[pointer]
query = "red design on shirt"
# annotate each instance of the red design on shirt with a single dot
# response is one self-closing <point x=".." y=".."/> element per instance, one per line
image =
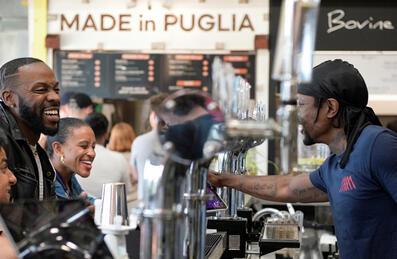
<point x="347" y="184"/>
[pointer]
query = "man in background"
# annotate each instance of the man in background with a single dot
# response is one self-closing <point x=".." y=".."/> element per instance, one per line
<point x="76" y="105"/>
<point x="143" y="145"/>
<point x="29" y="106"/>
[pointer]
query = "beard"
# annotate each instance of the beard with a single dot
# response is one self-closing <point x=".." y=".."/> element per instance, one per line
<point x="35" y="120"/>
<point x="307" y="139"/>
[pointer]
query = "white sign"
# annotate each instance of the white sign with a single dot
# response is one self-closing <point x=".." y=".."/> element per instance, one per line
<point x="182" y="26"/>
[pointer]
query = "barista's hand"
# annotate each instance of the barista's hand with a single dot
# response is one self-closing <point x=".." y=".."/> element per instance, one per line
<point x="89" y="205"/>
<point x="215" y="179"/>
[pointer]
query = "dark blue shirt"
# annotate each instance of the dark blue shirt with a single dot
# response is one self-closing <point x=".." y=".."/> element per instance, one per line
<point x="363" y="195"/>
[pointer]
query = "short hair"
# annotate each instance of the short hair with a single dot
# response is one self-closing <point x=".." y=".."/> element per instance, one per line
<point x="81" y="100"/>
<point x="121" y="137"/>
<point x="66" y="96"/>
<point x="9" y="69"/>
<point x="185" y="104"/>
<point x="66" y="125"/>
<point x="155" y="101"/>
<point x="98" y="122"/>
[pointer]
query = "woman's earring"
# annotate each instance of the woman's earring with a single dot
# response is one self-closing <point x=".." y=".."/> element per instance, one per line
<point x="62" y="159"/>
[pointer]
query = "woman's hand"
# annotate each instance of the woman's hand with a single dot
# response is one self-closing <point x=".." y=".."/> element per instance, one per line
<point x="88" y="204"/>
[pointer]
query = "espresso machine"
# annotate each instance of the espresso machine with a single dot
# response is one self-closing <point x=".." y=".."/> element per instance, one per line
<point x="293" y="65"/>
<point x="173" y="209"/>
<point x="172" y="213"/>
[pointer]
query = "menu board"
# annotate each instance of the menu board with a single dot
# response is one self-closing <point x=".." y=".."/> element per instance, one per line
<point x="124" y="75"/>
<point x="186" y="71"/>
<point x="134" y="74"/>
<point x="81" y="72"/>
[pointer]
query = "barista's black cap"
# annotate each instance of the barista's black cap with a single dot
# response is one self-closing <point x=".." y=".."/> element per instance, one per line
<point x="337" y="79"/>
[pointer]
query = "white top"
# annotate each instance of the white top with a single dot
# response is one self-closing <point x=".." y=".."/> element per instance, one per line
<point x="142" y="147"/>
<point x="40" y="171"/>
<point x="108" y="167"/>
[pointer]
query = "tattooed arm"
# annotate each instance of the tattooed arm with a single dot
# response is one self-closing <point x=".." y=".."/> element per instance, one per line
<point x="282" y="188"/>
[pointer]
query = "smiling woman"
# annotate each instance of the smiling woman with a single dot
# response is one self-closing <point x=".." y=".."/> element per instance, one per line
<point x="72" y="151"/>
<point x="7" y="179"/>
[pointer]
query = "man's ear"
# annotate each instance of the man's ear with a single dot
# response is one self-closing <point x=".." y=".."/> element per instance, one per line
<point x="8" y="98"/>
<point x="333" y="107"/>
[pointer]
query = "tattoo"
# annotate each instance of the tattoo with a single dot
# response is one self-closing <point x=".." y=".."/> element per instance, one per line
<point x="268" y="189"/>
<point x="338" y="144"/>
<point x="311" y="194"/>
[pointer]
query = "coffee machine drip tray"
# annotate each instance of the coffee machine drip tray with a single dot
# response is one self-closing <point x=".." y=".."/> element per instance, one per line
<point x="276" y="236"/>
<point x="215" y="245"/>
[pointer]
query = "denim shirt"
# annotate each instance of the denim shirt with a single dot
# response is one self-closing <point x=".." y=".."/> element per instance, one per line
<point x="62" y="191"/>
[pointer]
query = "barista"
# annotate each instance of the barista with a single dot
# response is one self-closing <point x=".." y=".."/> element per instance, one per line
<point x="359" y="178"/>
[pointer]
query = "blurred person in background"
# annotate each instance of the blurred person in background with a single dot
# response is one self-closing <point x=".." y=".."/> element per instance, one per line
<point x="188" y="125"/>
<point x="29" y="106"/>
<point x="7" y="180"/>
<point x="76" y="105"/>
<point x="144" y="144"/>
<point x="72" y="151"/>
<point x="109" y="166"/>
<point x="121" y="137"/>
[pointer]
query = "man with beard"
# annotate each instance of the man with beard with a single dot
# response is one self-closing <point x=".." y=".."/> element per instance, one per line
<point x="29" y="106"/>
<point x="359" y="178"/>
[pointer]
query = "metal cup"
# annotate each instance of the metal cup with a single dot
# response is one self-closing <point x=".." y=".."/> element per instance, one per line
<point x="114" y="203"/>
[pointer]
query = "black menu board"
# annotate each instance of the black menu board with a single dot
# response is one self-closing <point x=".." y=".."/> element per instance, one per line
<point x="108" y="74"/>
<point x="186" y="71"/>
<point x="126" y="75"/>
<point x="82" y="72"/>
<point x="134" y="74"/>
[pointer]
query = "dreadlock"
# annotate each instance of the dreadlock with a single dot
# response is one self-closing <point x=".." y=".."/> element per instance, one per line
<point x="342" y="81"/>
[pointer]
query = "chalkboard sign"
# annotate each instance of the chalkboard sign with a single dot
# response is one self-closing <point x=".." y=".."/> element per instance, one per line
<point x="76" y="70"/>
<point x="133" y="74"/>
<point x="186" y="71"/>
<point x="349" y="25"/>
<point x="357" y="25"/>
<point x="124" y="75"/>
